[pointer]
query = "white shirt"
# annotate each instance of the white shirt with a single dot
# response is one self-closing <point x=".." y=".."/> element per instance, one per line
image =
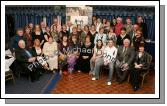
<point x="110" y="53"/>
<point x="98" y="26"/>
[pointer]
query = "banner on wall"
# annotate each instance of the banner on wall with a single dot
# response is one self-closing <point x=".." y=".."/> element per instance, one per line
<point x="79" y="15"/>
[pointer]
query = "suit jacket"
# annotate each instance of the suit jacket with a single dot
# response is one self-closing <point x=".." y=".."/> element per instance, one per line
<point x="21" y="55"/>
<point x="128" y="57"/>
<point x="144" y="60"/>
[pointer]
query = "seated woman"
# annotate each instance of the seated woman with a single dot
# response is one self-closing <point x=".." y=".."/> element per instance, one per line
<point x="141" y="64"/>
<point x="73" y="54"/>
<point x="51" y="52"/>
<point x="85" y="56"/>
<point x="97" y="55"/>
<point x="37" y="52"/>
<point x="63" y="51"/>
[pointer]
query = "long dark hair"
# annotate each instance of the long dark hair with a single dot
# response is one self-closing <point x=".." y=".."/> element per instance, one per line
<point x="97" y="44"/>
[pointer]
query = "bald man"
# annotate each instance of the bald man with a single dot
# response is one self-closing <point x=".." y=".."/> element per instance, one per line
<point x="26" y="61"/>
<point x="124" y="60"/>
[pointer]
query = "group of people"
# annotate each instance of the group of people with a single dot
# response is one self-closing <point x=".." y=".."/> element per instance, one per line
<point x="104" y="43"/>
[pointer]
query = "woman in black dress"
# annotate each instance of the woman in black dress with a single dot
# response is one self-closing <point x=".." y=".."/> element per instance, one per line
<point x="92" y="33"/>
<point x="86" y="54"/>
<point x="37" y="34"/>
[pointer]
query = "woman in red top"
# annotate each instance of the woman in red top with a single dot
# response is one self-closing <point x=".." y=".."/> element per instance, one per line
<point x="118" y="26"/>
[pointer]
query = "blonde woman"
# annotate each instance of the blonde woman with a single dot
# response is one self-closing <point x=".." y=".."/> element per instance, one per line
<point x="50" y="50"/>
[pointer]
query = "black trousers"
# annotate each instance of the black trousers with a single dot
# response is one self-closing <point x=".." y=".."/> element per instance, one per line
<point x="121" y="75"/>
<point x="135" y="76"/>
<point x="34" y="73"/>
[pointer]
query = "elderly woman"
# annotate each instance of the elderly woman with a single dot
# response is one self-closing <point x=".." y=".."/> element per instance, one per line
<point x="50" y="50"/>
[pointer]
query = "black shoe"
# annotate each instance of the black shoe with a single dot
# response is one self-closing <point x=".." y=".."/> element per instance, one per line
<point x="136" y="88"/>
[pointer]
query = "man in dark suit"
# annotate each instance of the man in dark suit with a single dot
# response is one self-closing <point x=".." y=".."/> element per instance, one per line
<point x="26" y="61"/>
<point x="122" y="36"/>
<point x="124" y="60"/>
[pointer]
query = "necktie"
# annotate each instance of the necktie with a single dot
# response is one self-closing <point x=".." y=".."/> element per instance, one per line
<point x="124" y="51"/>
<point x="69" y="30"/>
<point x="28" y="53"/>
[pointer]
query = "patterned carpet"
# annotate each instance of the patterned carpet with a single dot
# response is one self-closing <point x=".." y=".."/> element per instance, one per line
<point x="80" y="83"/>
<point x="25" y="86"/>
<point x="77" y="83"/>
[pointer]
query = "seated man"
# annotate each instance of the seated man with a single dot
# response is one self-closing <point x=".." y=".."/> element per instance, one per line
<point x="110" y="53"/>
<point x="141" y="64"/>
<point x="26" y="61"/>
<point x="124" y="60"/>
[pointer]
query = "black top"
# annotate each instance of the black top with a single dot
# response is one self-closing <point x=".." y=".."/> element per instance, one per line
<point x="87" y="50"/>
<point x="137" y="41"/>
<point x="40" y="37"/>
<point x="48" y="35"/>
<point x="92" y="37"/>
<point x="120" y="39"/>
<point x="143" y="26"/>
<point x="144" y="60"/>
<point x="34" y="53"/>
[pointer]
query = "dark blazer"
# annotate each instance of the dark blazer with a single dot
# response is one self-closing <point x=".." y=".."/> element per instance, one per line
<point x="144" y="60"/>
<point x="120" y="39"/>
<point x="129" y="56"/>
<point x="21" y="55"/>
<point x="137" y="41"/>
